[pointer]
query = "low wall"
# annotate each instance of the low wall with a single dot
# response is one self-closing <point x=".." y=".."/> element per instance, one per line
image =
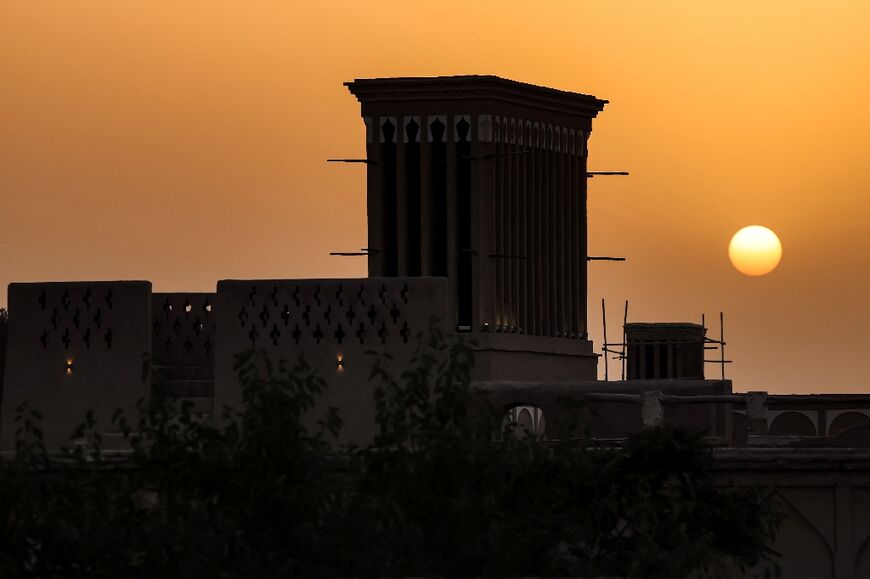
<point x="75" y="347"/>
<point x="517" y="357"/>
<point x="804" y="415"/>
<point x="610" y="409"/>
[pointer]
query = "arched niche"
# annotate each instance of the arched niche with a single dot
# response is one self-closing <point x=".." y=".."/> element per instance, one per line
<point x="792" y="424"/>
<point x="846" y="420"/>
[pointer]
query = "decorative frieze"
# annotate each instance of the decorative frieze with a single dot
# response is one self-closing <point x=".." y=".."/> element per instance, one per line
<point x="527" y="133"/>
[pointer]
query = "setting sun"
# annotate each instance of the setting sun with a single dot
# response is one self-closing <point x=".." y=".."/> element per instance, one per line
<point x="755" y="250"/>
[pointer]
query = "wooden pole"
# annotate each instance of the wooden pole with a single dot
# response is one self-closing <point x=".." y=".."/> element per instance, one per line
<point x="624" y="321"/>
<point x="604" y="348"/>
<point x="722" y="341"/>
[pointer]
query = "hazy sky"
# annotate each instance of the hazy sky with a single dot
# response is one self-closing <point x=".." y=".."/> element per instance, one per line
<point x="184" y="142"/>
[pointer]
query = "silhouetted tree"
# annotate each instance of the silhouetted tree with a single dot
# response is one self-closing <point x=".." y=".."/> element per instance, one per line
<point x="436" y="493"/>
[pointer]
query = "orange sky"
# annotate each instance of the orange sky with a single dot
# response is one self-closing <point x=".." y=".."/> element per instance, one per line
<point x="184" y="142"/>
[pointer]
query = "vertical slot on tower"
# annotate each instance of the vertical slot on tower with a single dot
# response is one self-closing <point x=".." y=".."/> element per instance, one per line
<point x="412" y="191"/>
<point x="438" y="190"/>
<point x="497" y="225"/>
<point x="388" y="178"/>
<point x="463" y="220"/>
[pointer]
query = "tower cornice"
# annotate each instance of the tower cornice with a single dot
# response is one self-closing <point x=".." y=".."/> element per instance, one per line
<point x="474" y="87"/>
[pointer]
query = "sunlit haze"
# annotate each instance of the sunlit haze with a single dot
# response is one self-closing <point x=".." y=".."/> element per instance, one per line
<point x="185" y="142"/>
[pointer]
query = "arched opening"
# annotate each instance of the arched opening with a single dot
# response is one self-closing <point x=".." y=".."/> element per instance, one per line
<point x="792" y="424"/>
<point x="524" y="420"/>
<point x="846" y="420"/>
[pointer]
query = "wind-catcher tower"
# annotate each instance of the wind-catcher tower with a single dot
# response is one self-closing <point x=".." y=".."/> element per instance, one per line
<point x="482" y="180"/>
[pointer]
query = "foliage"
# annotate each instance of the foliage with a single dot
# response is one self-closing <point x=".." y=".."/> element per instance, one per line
<point x="436" y="493"/>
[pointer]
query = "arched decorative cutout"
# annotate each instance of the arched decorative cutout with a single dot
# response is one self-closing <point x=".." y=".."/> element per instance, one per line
<point x="437" y="126"/>
<point x="388" y="129"/>
<point x="412" y="130"/>
<point x="462" y="128"/>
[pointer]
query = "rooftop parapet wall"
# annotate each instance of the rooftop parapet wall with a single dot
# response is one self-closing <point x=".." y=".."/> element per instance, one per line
<point x="613" y="410"/>
<point x="333" y="324"/>
<point x="753" y="419"/>
<point x="783" y="419"/>
<point x="74" y="347"/>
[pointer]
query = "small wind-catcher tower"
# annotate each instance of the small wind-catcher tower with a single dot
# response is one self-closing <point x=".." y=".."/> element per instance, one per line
<point x="483" y="180"/>
<point x="663" y="350"/>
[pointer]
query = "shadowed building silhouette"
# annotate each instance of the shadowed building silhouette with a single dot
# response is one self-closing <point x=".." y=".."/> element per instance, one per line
<point x="483" y="180"/>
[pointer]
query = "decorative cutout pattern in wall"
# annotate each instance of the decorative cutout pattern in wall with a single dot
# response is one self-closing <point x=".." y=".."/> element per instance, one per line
<point x="183" y="329"/>
<point x="313" y="313"/>
<point x="75" y="316"/>
<point x="333" y="324"/>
